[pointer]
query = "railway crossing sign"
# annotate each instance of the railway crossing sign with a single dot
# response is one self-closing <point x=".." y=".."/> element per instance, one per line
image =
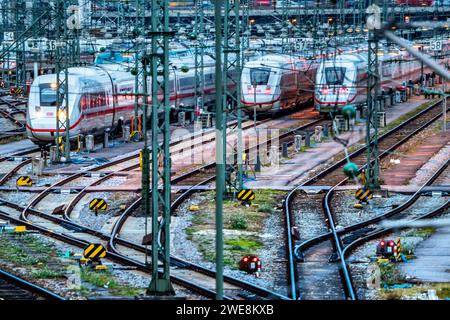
<point x="94" y="251"/>
<point x="246" y="195"/>
<point x="363" y="194"/>
<point x="98" y="204"/>
<point x="24" y="181"/>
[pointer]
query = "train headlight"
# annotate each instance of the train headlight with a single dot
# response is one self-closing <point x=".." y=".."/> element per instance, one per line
<point x="268" y="90"/>
<point x="53" y="86"/>
<point x="343" y="90"/>
<point x="324" y="91"/>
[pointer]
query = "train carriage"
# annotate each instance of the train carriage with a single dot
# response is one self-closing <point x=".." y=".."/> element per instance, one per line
<point x="273" y="83"/>
<point x="342" y="80"/>
<point x="101" y="95"/>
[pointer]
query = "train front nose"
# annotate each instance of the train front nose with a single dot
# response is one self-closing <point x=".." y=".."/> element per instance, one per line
<point x="333" y="96"/>
<point x="41" y="126"/>
<point x="262" y="96"/>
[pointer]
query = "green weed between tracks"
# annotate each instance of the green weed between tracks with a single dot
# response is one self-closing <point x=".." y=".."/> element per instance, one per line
<point x="242" y="225"/>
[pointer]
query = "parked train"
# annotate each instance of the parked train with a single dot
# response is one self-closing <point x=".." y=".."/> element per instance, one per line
<point x="272" y="83"/>
<point x="342" y="80"/>
<point x="275" y="82"/>
<point x="101" y="95"/>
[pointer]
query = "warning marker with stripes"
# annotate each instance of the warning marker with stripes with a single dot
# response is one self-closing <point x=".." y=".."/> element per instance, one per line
<point x="363" y="194"/>
<point x="94" y="251"/>
<point x="398" y="251"/>
<point x="246" y="195"/>
<point x="98" y="204"/>
<point x="24" y="181"/>
<point x="17" y="91"/>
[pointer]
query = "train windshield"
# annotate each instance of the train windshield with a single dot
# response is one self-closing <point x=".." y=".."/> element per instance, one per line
<point x="48" y="95"/>
<point x="259" y="76"/>
<point x="335" y="75"/>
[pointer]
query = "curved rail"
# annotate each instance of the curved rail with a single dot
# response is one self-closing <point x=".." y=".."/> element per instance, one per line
<point x="335" y="234"/>
<point x="382" y="231"/>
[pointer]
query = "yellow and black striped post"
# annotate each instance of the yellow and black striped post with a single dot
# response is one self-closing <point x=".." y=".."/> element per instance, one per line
<point x="98" y="204"/>
<point x="363" y="194"/>
<point x="398" y="253"/>
<point x="24" y="181"/>
<point x="246" y="195"/>
<point x="94" y="251"/>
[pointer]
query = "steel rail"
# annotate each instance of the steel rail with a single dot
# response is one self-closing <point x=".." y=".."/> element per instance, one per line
<point x="310" y="242"/>
<point x="110" y="255"/>
<point x="376" y="233"/>
<point x="336" y="233"/>
<point x="28" y="286"/>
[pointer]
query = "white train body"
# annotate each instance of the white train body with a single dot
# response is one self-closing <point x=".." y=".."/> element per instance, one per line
<point x="101" y="95"/>
<point x="272" y="83"/>
<point x="342" y="80"/>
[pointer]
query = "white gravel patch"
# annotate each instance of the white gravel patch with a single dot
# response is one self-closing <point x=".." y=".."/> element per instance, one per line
<point x="272" y="254"/>
<point x="346" y="214"/>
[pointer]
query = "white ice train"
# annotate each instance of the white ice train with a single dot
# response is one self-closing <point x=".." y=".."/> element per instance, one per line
<point x="101" y="95"/>
<point x="342" y="80"/>
<point x="272" y="83"/>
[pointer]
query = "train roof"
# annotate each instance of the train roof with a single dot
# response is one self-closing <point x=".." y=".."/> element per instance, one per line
<point x="270" y="58"/>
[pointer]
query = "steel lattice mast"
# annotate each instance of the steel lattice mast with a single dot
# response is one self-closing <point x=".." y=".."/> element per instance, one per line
<point x="373" y="87"/>
<point x="20" y="13"/>
<point x="159" y="71"/>
<point x="138" y="34"/>
<point x="67" y="26"/>
<point x="232" y="66"/>
<point x="199" y="30"/>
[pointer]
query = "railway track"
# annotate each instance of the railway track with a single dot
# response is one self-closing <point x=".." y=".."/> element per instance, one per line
<point x="59" y="228"/>
<point x="10" y="111"/>
<point x="329" y="247"/>
<point x="194" y="179"/>
<point x="406" y="213"/>
<point x="15" y="288"/>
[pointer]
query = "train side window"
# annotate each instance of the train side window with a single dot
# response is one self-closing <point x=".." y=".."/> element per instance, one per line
<point x="186" y="83"/>
<point x="172" y="86"/>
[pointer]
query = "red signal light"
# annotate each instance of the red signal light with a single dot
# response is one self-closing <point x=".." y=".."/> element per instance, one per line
<point x="382" y="243"/>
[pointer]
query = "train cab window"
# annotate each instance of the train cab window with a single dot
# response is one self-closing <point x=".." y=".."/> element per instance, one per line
<point x="335" y="75"/>
<point x="259" y="76"/>
<point x="47" y="95"/>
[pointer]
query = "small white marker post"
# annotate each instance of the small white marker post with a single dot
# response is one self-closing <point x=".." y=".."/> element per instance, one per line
<point x="444" y="112"/>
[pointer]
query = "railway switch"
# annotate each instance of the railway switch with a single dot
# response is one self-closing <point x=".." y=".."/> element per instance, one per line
<point x="251" y="264"/>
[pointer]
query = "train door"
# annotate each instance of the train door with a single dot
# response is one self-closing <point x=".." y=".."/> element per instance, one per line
<point x="173" y="90"/>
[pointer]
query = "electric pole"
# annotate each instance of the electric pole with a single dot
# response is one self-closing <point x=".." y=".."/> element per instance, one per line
<point x="160" y="201"/>
<point x="373" y="84"/>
